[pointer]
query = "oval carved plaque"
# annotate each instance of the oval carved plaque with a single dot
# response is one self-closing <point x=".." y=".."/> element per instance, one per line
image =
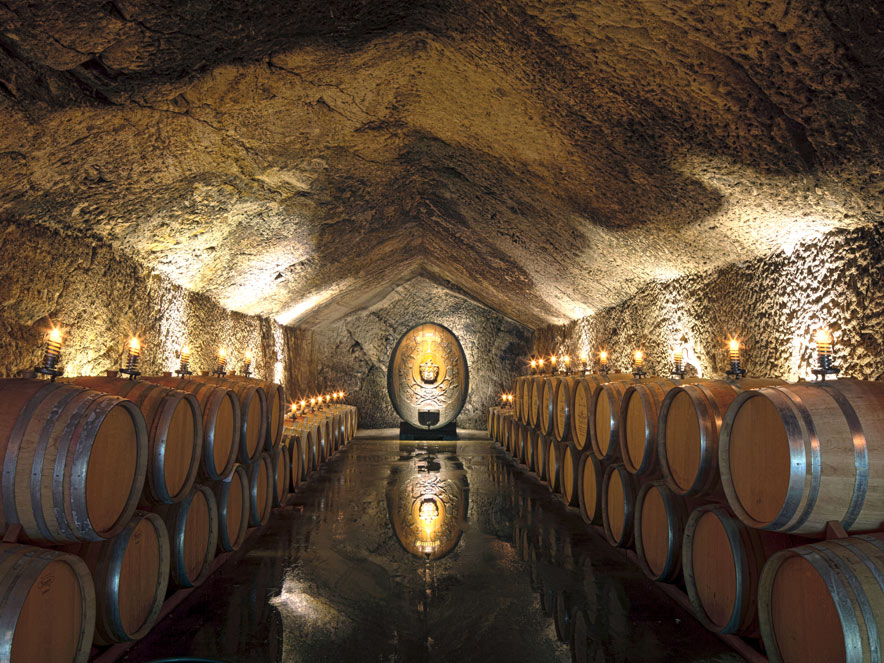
<point x="428" y="373"/>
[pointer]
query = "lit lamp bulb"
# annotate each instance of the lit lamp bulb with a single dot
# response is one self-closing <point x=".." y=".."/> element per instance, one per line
<point x="134" y="352"/>
<point x="638" y="359"/>
<point x="248" y="362"/>
<point x="733" y="355"/>
<point x="533" y="365"/>
<point x="552" y="362"/>
<point x="540" y="363"/>
<point x="603" y="361"/>
<point x="221" y="362"/>
<point x="303" y="405"/>
<point x="51" y="355"/>
<point x="825" y="354"/>
<point x="566" y="360"/>
<point x="184" y="357"/>
<point x="327" y="399"/>
<point x="678" y="361"/>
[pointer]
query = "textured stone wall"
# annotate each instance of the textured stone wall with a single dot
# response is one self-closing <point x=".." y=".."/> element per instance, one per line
<point x="773" y="304"/>
<point x="100" y="298"/>
<point x="354" y="352"/>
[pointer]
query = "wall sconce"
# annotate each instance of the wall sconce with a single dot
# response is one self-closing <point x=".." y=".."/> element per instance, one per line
<point x="638" y="360"/>
<point x="566" y="364"/>
<point x="552" y="364"/>
<point x="825" y="354"/>
<point x="247" y="371"/>
<point x="678" y="361"/>
<point x="533" y="367"/>
<point x="603" y="362"/>
<point x="131" y="367"/>
<point x="584" y="361"/>
<point x="51" y="355"/>
<point x="733" y="353"/>
<point x="184" y="361"/>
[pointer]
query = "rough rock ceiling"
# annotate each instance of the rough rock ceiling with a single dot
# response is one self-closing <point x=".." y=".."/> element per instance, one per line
<point x="300" y="159"/>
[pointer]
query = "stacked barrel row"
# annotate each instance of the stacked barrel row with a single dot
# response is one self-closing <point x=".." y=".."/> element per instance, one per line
<point x="721" y="486"/>
<point x="122" y="488"/>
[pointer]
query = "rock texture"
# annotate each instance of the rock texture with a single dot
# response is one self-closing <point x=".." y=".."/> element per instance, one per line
<point x="299" y="160"/>
<point x="354" y="352"/>
<point x="774" y="305"/>
<point x="99" y="299"/>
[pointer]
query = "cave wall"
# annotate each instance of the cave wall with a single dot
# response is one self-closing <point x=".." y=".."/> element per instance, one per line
<point x="774" y="305"/>
<point x="100" y="298"/>
<point x="353" y="352"/>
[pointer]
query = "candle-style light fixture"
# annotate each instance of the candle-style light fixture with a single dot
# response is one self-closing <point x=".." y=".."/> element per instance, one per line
<point x="584" y="362"/>
<point x="247" y="371"/>
<point x="540" y="363"/>
<point x="221" y="362"/>
<point x="678" y="361"/>
<point x="733" y="354"/>
<point x="566" y="363"/>
<point x="532" y="367"/>
<point x="303" y="406"/>
<point x="313" y="404"/>
<point x="51" y="355"/>
<point x="552" y="364"/>
<point x="184" y="361"/>
<point x="825" y="353"/>
<point x="638" y="361"/>
<point x="603" y="362"/>
<point x="134" y="352"/>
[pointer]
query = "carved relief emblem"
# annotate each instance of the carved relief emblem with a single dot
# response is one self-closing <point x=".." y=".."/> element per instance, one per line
<point x="429" y="371"/>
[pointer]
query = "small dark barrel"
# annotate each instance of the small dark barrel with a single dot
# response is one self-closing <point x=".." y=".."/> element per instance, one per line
<point x="175" y="433"/>
<point x="793" y="458"/>
<point x="553" y="463"/>
<point x="232" y="499"/>
<point x="131" y="573"/>
<point x="660" y="517"/>
<point x="279" y="462"/>
<point x="820" y="601"/>
<point x="193" y="535"/>
<point x="87" y="447"/>
<point x="253" y="415"/>
<point x="428" y="371"/>
<point x="221" y="422"/>
<point x="569" y="480"/>
<point x="618" y="505"/>
<point x="590" y="477"/>
<point x="47" y="606"/>
<point x="722" y="561"/>
<point x="261" y="482"/>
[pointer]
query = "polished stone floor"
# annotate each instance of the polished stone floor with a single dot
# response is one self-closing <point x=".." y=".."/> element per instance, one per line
<point x="427" y="551"/>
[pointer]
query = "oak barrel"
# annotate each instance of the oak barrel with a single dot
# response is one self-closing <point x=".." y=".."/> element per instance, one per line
<point x="536" y="387"/>
<point x="517" y="396"/>
<point x="639" y="409"/>
<point x="232" y="501"/>
<point x="569" y="479"/>
<point x="193" y="535"/>
<point x="308" y="435"/>
<point x="618" y="505"/>
<point x="546" y="420"/>
<point x="221" y="422"/>
<point x="261" y="482"/>
<point x="604" y="429"/>
<point x="722" y="561"/>
<point x="130" y="573"/>
<point x="253" y="415"/>
<point x="824" y="601"/>
<point x="175" y="433"/>
<point x="540" y="459"/>
<point x="293" y="443"/>
<point x="660" y="517"/>
<point x="74" y="460"/>
<point x="563" y="405"/>
<point x="795" y="457"/>
<point x="274" y="408"/>
<point x="581" y="405"/>
<point x="279" y="462"/>
<point x="553" y="462"/>
<point x="47" y="606"/>
<point x="590" y="479"/>
<point x="321" y="440"/>
<point x="687" y="435"/>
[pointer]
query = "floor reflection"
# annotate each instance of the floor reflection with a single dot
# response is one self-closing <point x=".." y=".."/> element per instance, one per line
<point x="428" y="552"/>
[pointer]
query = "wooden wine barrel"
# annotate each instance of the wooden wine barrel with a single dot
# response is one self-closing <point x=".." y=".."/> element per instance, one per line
<point x="73" y="460"/>
<point x="320" y="437"/>
<point x="553" y="463"/>
<point x="688" y="430"/>
<point x="540" y="460"/>
<point x="130" y="573"/>
<point x="564" y="400"/>
<point x="530" y="449"/>
<point x="823" y="601"/>
<point x="518" y="396"/>
<point x="618" y="505"/>
<point x="639" y="408"/>
<point x="232" y="500"/>
<point x="569" y="478"/>
<point x="308" y="435"/>
<point x="563" y="615"/>
<point x="536" y="392"/>
<point x="221" y="422"/>
<point x="293" y="443"/>
<point x="660" y="517"/>
<point x="604" y="408"/>
<point x="193" y="535"/>
<point x="581" y="405"/>
<point x="590" y="479"/>
<point x="274" y="399"/>
<point x="253" y="415"/>
<point x="722" y="561"/>
<point x="428" y="371"/>
<point x="261" y="482"/>
<point x="175" y="433"/>
<point x="794" y="457"/>
<point x="47" y="606"/>
<point x="281" y="466"/>
<point x="549" y="390"/>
